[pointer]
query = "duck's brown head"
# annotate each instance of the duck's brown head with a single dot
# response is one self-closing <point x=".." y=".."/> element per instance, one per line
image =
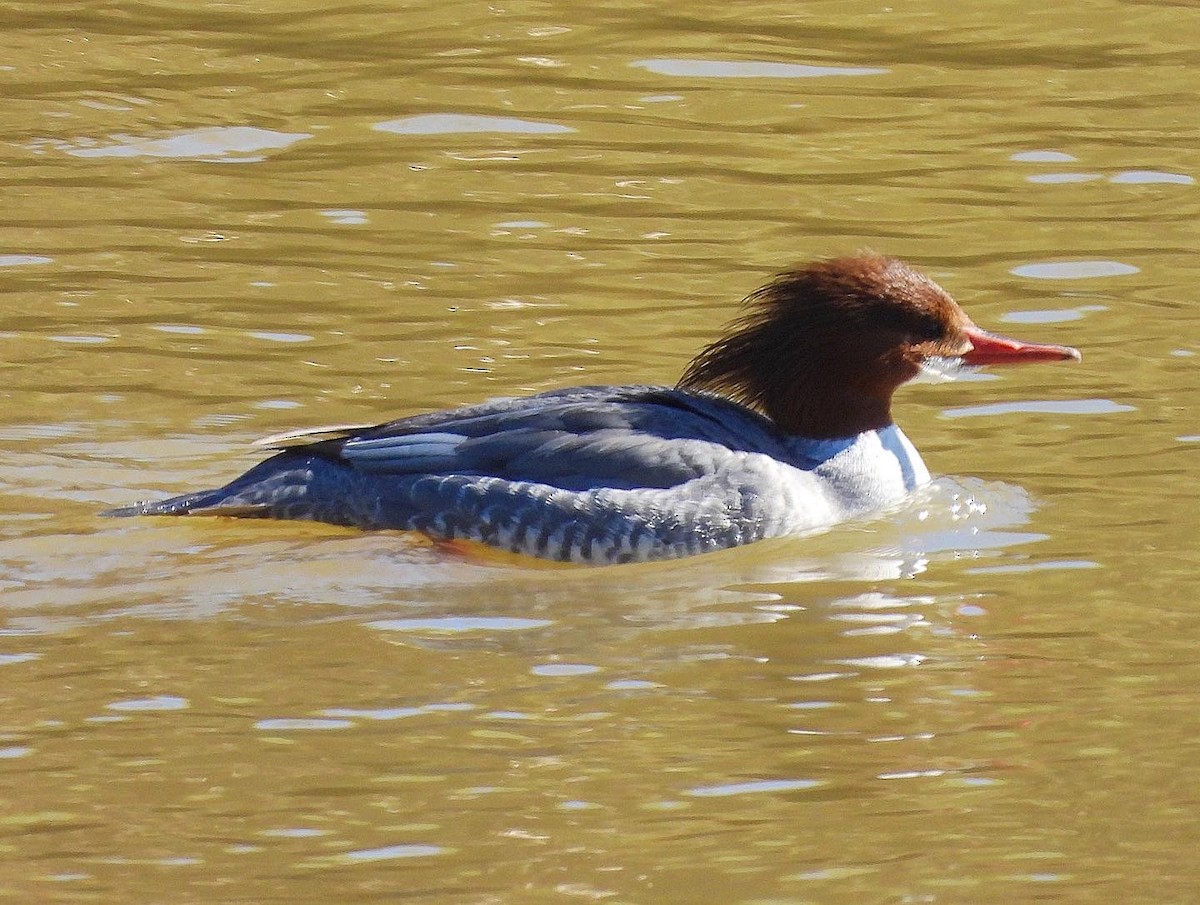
<point x="822" y="348"/>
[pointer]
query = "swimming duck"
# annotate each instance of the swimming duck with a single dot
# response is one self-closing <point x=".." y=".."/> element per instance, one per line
<point x="780" y="426"/>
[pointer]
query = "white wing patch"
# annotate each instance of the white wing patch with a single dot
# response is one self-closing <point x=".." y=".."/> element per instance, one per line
<point x="405" y="453"/>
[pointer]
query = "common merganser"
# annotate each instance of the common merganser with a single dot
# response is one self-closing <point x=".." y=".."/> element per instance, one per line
<point x="781" y="426"/>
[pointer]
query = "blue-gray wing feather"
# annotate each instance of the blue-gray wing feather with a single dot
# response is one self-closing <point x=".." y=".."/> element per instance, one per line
<point x="577" y="439"/>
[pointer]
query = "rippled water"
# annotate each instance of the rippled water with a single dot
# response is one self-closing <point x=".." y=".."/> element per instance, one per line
<point x="228" y="220"/>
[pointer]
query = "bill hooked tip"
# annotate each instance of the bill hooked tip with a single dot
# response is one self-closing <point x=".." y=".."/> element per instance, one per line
<point x="994" y="349"/>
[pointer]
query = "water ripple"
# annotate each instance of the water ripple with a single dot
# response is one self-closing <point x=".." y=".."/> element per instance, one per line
<point x="449" y="123"/>
<point x="1041" y="407"/>
<point x="160" y="702"/>
<point x="212" y="142"/>
<point x="459" y="624"/>
<point x="1074" y="270"/>
<point x="750" y="69"/>
<point x="23" y="260"/>
<point x="753" y="787"/>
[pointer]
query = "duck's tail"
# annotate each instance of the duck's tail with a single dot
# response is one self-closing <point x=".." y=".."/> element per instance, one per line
<point x="289" y="485"/>
<point x="271" y="488"/>
<point x="204" y="502"/>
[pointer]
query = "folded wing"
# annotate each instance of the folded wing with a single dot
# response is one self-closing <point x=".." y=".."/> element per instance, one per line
<point x="580" y="439"/>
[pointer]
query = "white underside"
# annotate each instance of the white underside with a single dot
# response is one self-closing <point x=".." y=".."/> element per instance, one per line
<point x="858" y="475"/>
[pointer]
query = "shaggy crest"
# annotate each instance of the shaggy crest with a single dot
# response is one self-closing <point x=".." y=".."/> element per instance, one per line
<point x="785" y="342"/>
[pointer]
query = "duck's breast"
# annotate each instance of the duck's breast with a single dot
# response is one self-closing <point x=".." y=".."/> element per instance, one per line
<point x="869" y="471"/>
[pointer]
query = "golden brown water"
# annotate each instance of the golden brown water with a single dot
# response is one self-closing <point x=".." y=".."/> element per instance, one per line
<point x="223" y="220"/>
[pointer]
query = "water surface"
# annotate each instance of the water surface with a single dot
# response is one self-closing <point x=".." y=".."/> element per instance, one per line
<point x="228" y="220"/>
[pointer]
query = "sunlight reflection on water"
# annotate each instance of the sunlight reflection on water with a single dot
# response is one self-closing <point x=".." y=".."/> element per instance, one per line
<point x="216" y="142"/>
<point x="751" y="69"/>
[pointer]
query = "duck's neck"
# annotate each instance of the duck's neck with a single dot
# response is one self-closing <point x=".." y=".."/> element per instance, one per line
<point x="813" y="394"/>
<point x="826" y="412"/>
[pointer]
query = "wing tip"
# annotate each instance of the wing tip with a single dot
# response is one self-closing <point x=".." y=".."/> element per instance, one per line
<point x="307" y="435"/>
